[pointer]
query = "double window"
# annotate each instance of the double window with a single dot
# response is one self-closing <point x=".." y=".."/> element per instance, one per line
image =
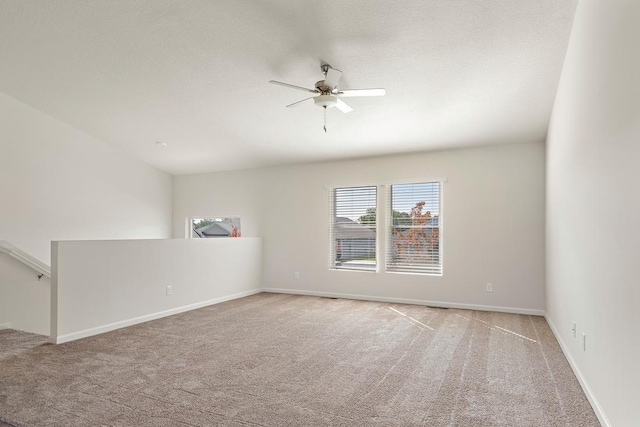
<point x="410" y="233"/>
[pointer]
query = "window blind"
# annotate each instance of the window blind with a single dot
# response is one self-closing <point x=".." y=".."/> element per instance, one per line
<point x="413" y="243"/>
<point x="353" y="228"/>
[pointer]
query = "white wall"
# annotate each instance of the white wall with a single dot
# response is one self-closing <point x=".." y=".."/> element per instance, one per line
<point x="57" y="183"/>
<point x="493" y="215"/>
<point x="98" y="286"/>
<point x="593" y="207"/>
<point x="24" y="300"/>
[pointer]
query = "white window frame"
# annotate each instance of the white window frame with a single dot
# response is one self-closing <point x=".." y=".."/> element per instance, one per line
<point x="407" y="268"/>
<point x="384" y="220"/>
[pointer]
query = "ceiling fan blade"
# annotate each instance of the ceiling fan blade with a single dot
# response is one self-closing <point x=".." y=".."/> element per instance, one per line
<point x="360" y="92"/>
<point x="299" y="102"/>
<point x="294" y="86"/>
<point x="343" y="106"/>
<point x="332" y="78"/>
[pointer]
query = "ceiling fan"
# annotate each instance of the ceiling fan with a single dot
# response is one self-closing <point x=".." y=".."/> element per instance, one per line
<point x="327" y="94"/>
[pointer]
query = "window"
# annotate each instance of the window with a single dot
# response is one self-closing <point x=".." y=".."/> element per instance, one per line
<point x="203" y="228"/>
<point x="413" y="242"/>
<point x="353" y="228"/>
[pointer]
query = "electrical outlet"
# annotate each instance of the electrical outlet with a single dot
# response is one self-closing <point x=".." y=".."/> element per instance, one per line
<point x="574" y="329"/>
<point x="296" y="275"/>
<point x="489" y="287"/>
<point x="584" y="342"/>
<point x="169" y="290"/>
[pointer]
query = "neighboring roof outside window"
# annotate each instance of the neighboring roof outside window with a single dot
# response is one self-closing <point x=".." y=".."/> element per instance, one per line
<point x="349" y="229"/>
<point x="219" y="228"/>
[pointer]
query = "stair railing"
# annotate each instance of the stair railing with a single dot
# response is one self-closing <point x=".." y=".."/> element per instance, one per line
<point x="41" y="268"/>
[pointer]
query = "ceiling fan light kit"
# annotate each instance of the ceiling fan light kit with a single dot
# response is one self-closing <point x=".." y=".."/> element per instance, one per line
<point x="327" y="93"/>
<point x="326" y="101"/>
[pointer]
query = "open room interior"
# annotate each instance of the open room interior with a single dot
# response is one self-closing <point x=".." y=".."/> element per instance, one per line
<point x="471" y="163"/>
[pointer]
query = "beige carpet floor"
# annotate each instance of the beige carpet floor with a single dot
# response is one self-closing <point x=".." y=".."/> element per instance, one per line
<point x="283" y="360"/>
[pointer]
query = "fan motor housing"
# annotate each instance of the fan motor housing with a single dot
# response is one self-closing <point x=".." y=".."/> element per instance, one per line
<point x="322" y="87"/>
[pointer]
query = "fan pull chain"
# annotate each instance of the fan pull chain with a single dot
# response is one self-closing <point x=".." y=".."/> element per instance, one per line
<point x="325" y="119"/>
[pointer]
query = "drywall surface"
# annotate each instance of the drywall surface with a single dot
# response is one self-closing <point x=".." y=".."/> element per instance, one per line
<point x="24" y="300"/>
<point x="593" y="238"/>
<point x="493" y="224"/>
<point x="234" y="194"/>
<point x="98" y="286"/>
<point x="57" y="183"/>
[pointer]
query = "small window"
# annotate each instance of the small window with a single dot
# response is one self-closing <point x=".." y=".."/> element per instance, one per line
<point x="205" y="228"/>
<point x="414" y="240"/>
<point x="353" y="228"/>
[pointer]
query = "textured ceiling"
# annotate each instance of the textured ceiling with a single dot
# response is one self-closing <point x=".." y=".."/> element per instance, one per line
<point x="194" y="74"/>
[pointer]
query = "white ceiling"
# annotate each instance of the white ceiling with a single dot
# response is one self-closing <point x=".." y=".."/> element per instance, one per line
<point x="194" y="74"/>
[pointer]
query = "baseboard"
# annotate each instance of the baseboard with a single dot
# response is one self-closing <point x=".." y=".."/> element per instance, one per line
<point x="443" y="304"/>
<point x="583" y="382"/>
<point x="5" y="326"/>
<point x="141" y="319"/>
